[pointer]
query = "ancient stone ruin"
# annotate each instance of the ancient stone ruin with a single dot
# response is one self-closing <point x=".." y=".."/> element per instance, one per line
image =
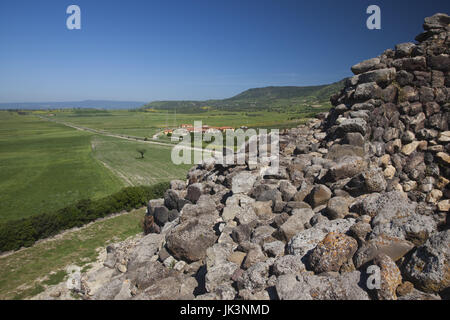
<point x="365" y="185"/>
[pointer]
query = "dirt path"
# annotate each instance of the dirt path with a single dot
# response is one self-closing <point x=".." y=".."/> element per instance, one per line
<point x="118" y="173"/>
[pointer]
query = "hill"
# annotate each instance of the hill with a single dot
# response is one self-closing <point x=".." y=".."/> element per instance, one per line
<point x="257" y="99"/>
<point x="321" y="93"/>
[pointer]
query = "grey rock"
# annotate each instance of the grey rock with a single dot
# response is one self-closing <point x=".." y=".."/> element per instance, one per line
<point x="353" y="125"/>
<point x="288" y="191"/>
<point x="255" y="278"/>
<point x="347" y="167"/>
<point x="288" y="264"/>
<point x="144" y="250"/>
<point x="161" y="216"/>
<point x="173" y="215"/>
<point x="152" y="204"/>
<point x="429" y="266"/>
<point x="437" y="21"/>
<point x="189" y="240"/>
<point x="380" y="76"/>
<point x="302" y="243"/>
<point x="171" y="198"/>
<point x="295" y="223"/>
<point x="242" y="233"/>
<point x="274" y="249"/>
<point x="386" y="205"/>
<point x="319" y="195"/>
<point x="243" y="182"/>
<point x="365" y="66"/>
<point x="262" y="234"/>
<point x="254" y="255"/>
<point x="178" y="185"/>
<point x="194" y="191"/>
<point x="218" y="274"/>
<point x="329" y="287"/>
<point x="404" y="49"/>
<point x="338" y="208"/>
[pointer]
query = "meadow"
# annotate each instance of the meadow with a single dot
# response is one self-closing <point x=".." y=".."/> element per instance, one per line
<point x="122" y="158"/>
<point x="146" y="124"/>
<point x="45" y="166"/>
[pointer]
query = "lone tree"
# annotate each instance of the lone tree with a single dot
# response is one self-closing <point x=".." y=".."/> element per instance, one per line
<point x="142" y="152"/>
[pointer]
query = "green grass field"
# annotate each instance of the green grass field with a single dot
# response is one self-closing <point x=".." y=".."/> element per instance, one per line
<point x="123" y="159"/>
<point x="146" y="124"/>
<point x="45" y="166"/>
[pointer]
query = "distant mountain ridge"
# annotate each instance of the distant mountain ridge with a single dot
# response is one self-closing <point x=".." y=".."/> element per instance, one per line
<point x="98" y="104"/>
<point x="258" y="98"/>
<point x="251" y="99"/>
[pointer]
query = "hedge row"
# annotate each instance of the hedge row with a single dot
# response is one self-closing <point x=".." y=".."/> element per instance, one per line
<point x="25" y="232"/>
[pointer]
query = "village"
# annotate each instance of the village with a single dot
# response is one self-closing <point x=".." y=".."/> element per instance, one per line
<point x="188" y="128"/>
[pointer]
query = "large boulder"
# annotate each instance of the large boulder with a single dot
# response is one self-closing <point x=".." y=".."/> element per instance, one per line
<point x="305" y="241"/>
<point x="390" y="278"/>
<point x="189" y="240"/>
<point x="347" y="167"/>
<point x="365" y="66"/>
<point x="295" y="223"/>
<point x="395" y="248"/>
<point x="326" y="287"/>
<point x="386" y="206"/>
<point x="243" y="182"/>
<point x="338" y="208"/>
<point x="319" y="195"/>
<point x="332" y="252"/>
<point x="429" y="266"/>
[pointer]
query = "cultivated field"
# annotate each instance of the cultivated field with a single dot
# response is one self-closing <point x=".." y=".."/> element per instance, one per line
<point x="121" y="157"/>
<point x="45" y="166"/>
<point x="146" y="124"/>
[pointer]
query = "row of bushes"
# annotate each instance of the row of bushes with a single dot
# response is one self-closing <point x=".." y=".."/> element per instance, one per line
<point x="25" y="232"/>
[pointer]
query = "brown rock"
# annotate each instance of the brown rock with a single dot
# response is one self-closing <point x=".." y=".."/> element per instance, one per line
<point x="237" y="257"/>
<point x="263" y="209"/>
<point x="332" y="252"/>
<point x="391" y="278"/>
<point x="319" y="195"/>
<point x="405" y="288"/>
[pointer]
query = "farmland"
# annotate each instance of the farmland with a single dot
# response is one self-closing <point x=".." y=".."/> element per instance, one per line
<point x="146" y="124"/>
<point x="45" y="166"/>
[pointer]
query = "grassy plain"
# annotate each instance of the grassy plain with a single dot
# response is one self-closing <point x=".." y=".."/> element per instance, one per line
<point x="146" y="124"/>
<point x="45" y="166"/>
<point x="122" y="158"/>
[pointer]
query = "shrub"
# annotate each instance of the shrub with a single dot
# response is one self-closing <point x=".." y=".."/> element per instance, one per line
<point x="25" y="232"/>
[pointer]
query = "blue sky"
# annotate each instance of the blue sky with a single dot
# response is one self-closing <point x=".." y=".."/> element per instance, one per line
<point x="145" y="50"/>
